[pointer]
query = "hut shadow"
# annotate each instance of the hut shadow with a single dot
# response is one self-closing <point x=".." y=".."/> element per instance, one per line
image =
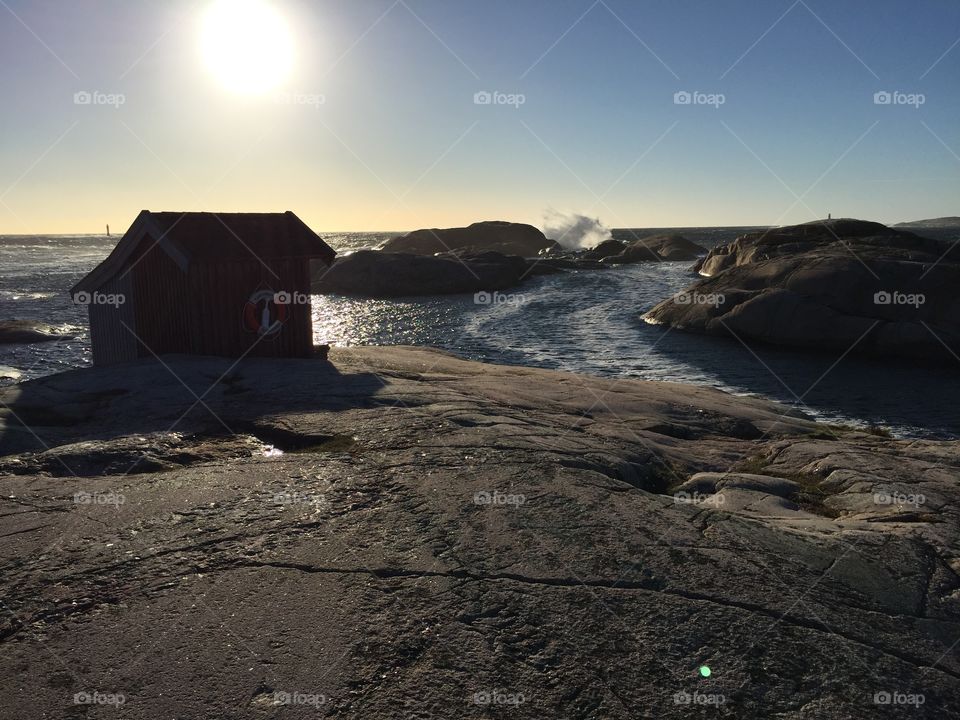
<point x="181" y="399"/>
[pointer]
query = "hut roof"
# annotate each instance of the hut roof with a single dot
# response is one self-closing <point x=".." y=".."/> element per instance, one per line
<point x="206" y="236"/>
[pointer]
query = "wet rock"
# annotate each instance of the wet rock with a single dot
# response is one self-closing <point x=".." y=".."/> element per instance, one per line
<point x="657" y="248"/>
<point x="498" y="236"/>
<point x="604" y="250"/>
<point x="837" y="286"/>
<point x="27" y="331"/>
<point x="373" y="273"/>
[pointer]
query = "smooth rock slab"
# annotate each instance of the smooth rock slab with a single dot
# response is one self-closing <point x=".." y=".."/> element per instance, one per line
<point x="495" y="541"/>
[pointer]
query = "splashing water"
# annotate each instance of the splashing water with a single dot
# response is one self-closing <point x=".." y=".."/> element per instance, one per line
<point x="574" y="231"/>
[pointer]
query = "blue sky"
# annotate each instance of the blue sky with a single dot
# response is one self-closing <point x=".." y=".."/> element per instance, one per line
<point x="398" y="141"/>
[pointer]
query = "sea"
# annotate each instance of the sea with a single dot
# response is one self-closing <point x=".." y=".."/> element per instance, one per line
<point x="585" y="321"/>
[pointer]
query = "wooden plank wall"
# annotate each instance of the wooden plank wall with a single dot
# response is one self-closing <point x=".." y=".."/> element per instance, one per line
<point x="163" y="305"/>
<point x="226" y="287"/>
<point x="110" y="341"/>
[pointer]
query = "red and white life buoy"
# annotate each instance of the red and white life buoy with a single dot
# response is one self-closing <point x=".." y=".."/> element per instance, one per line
<point x="263" y="315"/>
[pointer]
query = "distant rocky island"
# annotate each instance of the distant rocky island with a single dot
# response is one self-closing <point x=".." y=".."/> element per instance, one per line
<point x="944" y="222"/>
<point x="485" y="256"/>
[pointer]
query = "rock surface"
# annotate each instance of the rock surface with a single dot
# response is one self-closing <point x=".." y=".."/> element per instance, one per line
<point x="609" y="253"/>
<point x="494" y="235"/>
<point x="376" y="273"/>
<point x="657" y="248"/>
<point x="443" y="539"/>
<point x="27" y="331"/>
<point x="943" y="222"/>
<point x="839" y="285"/>
<point x="605" y="249"/>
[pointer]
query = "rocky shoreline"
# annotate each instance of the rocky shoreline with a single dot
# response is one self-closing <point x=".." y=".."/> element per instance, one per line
<point x="838" y="285"/>
<point x="400" y="532"/>
<point x="484" y="257"/>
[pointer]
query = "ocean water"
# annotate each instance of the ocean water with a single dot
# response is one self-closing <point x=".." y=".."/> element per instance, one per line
<point x="583" y="321"/>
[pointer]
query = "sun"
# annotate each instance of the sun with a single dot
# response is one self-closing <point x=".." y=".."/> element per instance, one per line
<point x="246" y="45"/>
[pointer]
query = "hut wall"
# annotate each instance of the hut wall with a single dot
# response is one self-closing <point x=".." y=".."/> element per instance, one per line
<point x="164" y="309"/>
<point x="110" y="338"/>
<point x="225" y="288"/>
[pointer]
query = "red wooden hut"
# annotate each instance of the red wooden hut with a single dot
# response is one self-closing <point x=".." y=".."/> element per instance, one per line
<point x="227" y="284"/>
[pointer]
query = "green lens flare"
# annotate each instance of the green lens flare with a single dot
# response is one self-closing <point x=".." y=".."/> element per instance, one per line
<point x="704" y="671"/>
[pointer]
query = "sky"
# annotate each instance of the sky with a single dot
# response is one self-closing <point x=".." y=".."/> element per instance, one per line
<point x="399" y="114"/>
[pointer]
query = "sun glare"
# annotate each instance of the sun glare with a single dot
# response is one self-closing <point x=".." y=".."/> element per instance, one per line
<point x="246" y="45"/>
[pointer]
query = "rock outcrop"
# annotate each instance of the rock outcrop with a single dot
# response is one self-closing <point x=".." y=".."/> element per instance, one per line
<point x="27" y="331"/>
<point x="838" y="285"/>
<point x="942" y="222"/>
<point x="444" y="538"/>
<point x="495" y="235"/>
<point x="657" y="248"/>
<point x="605" y="249"/>
<point x="381" y="274"/>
